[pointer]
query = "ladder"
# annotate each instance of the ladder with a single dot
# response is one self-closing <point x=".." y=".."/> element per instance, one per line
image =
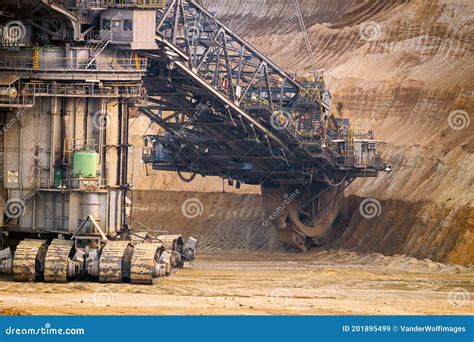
<point x="349" y="153"/>
<point x="97" y="48"/>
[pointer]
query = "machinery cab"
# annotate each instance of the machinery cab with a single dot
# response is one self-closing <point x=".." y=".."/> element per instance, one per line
<point x="365" y="152"/>
<point x="155" y="151"/>
<point x="133" y="28"/>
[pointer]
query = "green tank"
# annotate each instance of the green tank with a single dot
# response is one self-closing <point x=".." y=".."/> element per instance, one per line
<point x="58" y="176"/>
<point x="85" y="164"/>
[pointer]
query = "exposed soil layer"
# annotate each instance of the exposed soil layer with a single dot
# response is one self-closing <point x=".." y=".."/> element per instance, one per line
<point x="230" y="221"/>
<point x="257" y="283"/>
<point x="223" y="220"/>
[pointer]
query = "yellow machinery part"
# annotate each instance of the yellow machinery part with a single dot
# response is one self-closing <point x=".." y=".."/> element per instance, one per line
<point x="35" y="58"/>
<point x="137" y="61"/>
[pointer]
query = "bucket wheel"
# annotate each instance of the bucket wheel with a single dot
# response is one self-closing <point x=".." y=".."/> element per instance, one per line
<point x="302" y="215"/>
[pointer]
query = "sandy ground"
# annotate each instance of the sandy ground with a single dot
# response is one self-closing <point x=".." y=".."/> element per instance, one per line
<point x="258" y="283"/>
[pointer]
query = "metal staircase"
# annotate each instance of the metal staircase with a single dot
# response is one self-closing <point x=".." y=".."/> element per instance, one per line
<point x="98" y="47"/>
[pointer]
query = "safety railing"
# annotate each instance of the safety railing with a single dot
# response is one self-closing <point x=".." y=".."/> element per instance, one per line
<point x="144" y="3"/>
<point x="112" y="65"/>
<point x="99" y="4"/>
<point x="19" y="100"/>
<point x="75" y="184"/>
<point x="95" y="36"/>
<point x="81" y="89"/>
<point x="375" y="162"/>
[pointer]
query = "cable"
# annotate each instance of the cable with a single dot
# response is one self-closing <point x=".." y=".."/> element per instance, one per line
<point x="306" y="38"/>
<point x="186" y="180"/>
<point x="328" y="181"/>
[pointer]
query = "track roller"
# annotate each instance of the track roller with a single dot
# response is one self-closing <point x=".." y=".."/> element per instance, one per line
<point x="6" y="261"/>
<point x="190" y="249"/>
<point x="58" y="264"/>
<point x="29" y="259"/>
<point x="174" y="245"/>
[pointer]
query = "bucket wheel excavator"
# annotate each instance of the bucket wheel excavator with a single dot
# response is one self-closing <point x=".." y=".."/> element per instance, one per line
<point x="69" y="74"/>
<point x="226" y="110"/>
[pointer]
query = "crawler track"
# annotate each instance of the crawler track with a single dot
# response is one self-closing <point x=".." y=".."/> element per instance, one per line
<point x="143" y="263"/>
<point x="29" y="260"/>
<point x="57" y="261"/>
<point x="111" y="262"/>
<point x="137" y="261"/>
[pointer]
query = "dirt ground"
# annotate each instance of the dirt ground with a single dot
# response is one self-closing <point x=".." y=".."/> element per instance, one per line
<point x="259" y="283"/>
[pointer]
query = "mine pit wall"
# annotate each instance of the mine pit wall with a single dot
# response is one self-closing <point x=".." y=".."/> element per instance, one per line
<point x="232" y="221"/>
<point x="418" y="229"/>
<point x="409" y="80"/>
<point x="217" y="220"/>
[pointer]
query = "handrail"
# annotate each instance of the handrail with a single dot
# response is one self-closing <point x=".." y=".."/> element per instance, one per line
<point x="76" y="183"/>
<point x="64" y="64"/>
<point x="34" y="89"/>
<point x="122" y="3"/>
<point x="25" y="100"/>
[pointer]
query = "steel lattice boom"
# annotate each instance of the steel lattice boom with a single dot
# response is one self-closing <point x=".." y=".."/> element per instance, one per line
<point x="229" y="111"/>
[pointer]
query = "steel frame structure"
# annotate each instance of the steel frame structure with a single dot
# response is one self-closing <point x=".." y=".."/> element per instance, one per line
<point x="221" y="103"/>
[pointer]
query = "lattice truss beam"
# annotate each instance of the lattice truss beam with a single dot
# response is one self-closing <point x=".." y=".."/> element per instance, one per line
<point x="225" y="60"/>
